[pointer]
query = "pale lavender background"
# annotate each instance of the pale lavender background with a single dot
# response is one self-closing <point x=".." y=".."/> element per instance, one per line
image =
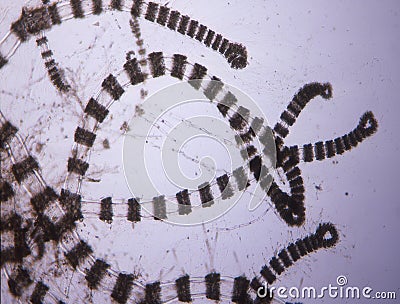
<point x="352" y="44"/>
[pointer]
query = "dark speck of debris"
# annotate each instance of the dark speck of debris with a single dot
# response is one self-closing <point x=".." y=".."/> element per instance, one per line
<point x="106" y="144"/>
<point x="347" y="193"/>
<point x="124" y="127"/>
<point x="138" y="110"/>
<point x="143" y="93"/>
<point x="39" y="147"/>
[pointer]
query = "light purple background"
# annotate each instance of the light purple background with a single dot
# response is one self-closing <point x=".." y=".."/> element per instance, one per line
<point x="352" y="44"/>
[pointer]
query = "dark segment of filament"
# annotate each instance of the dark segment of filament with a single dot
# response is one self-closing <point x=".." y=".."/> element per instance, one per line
<point x="32" y="21"/>
<point x="132" y="68"/>
<point x="240" y="290"/>
<point x="39" y="293"/>
<point x="308" y="153"/>
<point x="201" y="32"/>
<point x="151" y="12"/>
<point x="224" y="186"/>
<point x="173" y="20"/>
<point x="41" y="41"/>
<point x="267" y="274"/>
<point x="23" y="169"/>
<point x="209" y="38"/>
<point x="3" y="61"/>
<point x="47" y="54"/>
<point x="319" y="151"/>
<point x="330" y="148"/>
<point x="182" y="286"/>
<point x="184" y="205"/>
<point x="163" y="15"/>
<point x="242" y="180"/>
<point x="240" y="118"/>
<point x="77" y="166"/>
<point x="183" y="24"/>
<point x="301" y="247"/>
<point x="43" y="199"/>
<point x="7" y="132"/>
<point x="122" y="288"/>
<point x="112" y="86"/>
<point x="276" y="265"/>
<point x="153" y="293"/>
<point x="294" y="252"/>
<point x="198" y="73"/>
<point x="288" y="118"/>
<point x="136" y="9"/>
<point x="78" y="254"/>
<point x="213" y="281"/>
<point x="71" y="202"/>
<point x="97" y="7"/>
<point x="223" y="46"/>
<point x="206" y="196"/>
<point x="96" y="273"/>
<point x="134" y="210"/>
<point x="96" y="110"/>
<point x="293" y="173"/>
<point x="19" y="281"/>
<point x="20" y="250"/>
<point x="77" y="10"/>
<point x="54" y="15"/>
<point x="157" y="65"/>
<point x="106" y="210"/>
<point x="6" y="191"/>
<point x="284" y="257"/>
<point x="84" y="137"/>
<point x="213" y="88"/>
<point x="217" y="42"/>
<point x="192" y="28"/>
<point x="255" y="166"/>
<point x="178" y="66"/>
<point x="248" y="152"/>
<point x="228" y="101"/>
<point x="116" y="4"/>
<point x="160" y="209"/>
